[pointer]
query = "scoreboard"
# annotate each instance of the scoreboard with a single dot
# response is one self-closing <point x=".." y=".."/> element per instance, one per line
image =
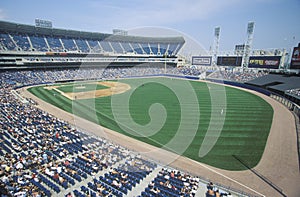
<point x="201" y="60"/>
<point x="270" y="62"/>
<point x="229" y="61"/>
<point x="295" y="61"/>
<point x="43" y="23"/>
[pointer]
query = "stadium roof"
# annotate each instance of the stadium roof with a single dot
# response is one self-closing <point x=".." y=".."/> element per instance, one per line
<point x="277" y="82"/>
<point x="9" y="27"/>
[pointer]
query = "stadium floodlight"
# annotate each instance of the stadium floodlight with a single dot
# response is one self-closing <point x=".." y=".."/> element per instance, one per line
<point x="216" y="45"/>
<point x="248" y="46"/>
<point x="217" y="31"/>
<point x="250" y="28"/>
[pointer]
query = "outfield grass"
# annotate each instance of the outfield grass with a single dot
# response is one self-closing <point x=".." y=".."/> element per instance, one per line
<point x="245" y="131"/>
<point x="81" y="87"/>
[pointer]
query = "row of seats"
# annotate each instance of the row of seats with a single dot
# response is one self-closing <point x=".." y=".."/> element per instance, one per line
<point x="119" y="181"/>
<point x="237" y="76"/>
<point x="45" y="191"/>
<point x="213" y="191"/>
<point x="47" y="148"/>
<point x="48" y="76"/>
<point x="103" y="187"/>
<point x="294" y="92"/>
<point x="49" y="183"/>
<point x="32" y="129"/>
<point x="56" y="44"/>
<point x="172" y="183"/>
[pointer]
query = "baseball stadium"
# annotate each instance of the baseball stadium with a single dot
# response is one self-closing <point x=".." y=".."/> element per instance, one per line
<point x="98" y="114"/>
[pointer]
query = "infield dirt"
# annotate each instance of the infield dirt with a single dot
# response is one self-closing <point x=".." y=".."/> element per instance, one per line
<point x="113" y="88"/>
<point x="279" y="163"/>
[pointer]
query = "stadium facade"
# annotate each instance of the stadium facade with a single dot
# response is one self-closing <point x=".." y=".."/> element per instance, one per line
<point x="26" y="46"/>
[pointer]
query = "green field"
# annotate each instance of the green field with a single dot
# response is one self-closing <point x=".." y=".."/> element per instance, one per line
<point x="81" y="87"/>
<point x="248" y="118"/>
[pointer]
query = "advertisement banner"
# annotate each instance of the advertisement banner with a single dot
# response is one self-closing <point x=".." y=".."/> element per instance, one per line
<point x="270" y="62"/>
<point x="295" y="61"/>
<point x="201" y="60"/>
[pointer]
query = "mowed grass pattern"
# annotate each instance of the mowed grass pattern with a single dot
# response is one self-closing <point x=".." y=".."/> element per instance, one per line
<point x="245" y="131"/>
<point x="81" y="87"/>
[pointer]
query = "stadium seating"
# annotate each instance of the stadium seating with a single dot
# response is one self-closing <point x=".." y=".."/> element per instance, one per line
<point x="163" y="49"/>
<point x="82" y="45"/>
<point x="295" y="92"/>
<point x="137" y="48"/>
<point x="6" y="42"/>
<point x="53" y="156"/>
<point x="172" y="183"/>
<point x="173" y="48"/>
<point x="43" y="155"/>
<point x="237" y="76"/>
<point x="69" y="44"/>
<point x="127" y="47"/>
<point x="106" y="46"/>
<point x="60" y="40"/>
<point x="94" y="45"/>
<point x="55" y="44"/>
<point x="146" y="48"/>
<point x="38" y="43"/>
<point x="154" y="48"/>
<point x="117" y="47"/>
<point x="22" y="42"/>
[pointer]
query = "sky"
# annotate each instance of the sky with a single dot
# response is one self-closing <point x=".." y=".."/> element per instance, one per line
<point x="277" y="23"/>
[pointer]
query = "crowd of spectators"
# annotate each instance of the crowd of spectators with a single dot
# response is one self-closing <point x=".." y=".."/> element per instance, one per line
<point x="237" y="76"/>
<point x="21" y="41"/>
<point x="170" y="182"/>
<point x="121" y="180"/>
<point x="294" y="92"/>
<point x="38" y="150"/>
<point x="42" y="155"/>
<point x="213" y="191"/>
<point x="44" y="76"/>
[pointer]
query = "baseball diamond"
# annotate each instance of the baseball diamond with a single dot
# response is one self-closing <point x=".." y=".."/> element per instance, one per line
<point x="248" y="118"/>
<point x="149" y="112"/>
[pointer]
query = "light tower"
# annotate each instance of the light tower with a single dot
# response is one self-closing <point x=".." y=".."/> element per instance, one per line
<point x="248" y="45"/>
<point x="283" y="59"/>
<point x="216" y="45"/>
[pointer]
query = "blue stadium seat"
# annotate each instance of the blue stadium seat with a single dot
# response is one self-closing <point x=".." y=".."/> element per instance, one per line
<point x="38" y="43"/>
